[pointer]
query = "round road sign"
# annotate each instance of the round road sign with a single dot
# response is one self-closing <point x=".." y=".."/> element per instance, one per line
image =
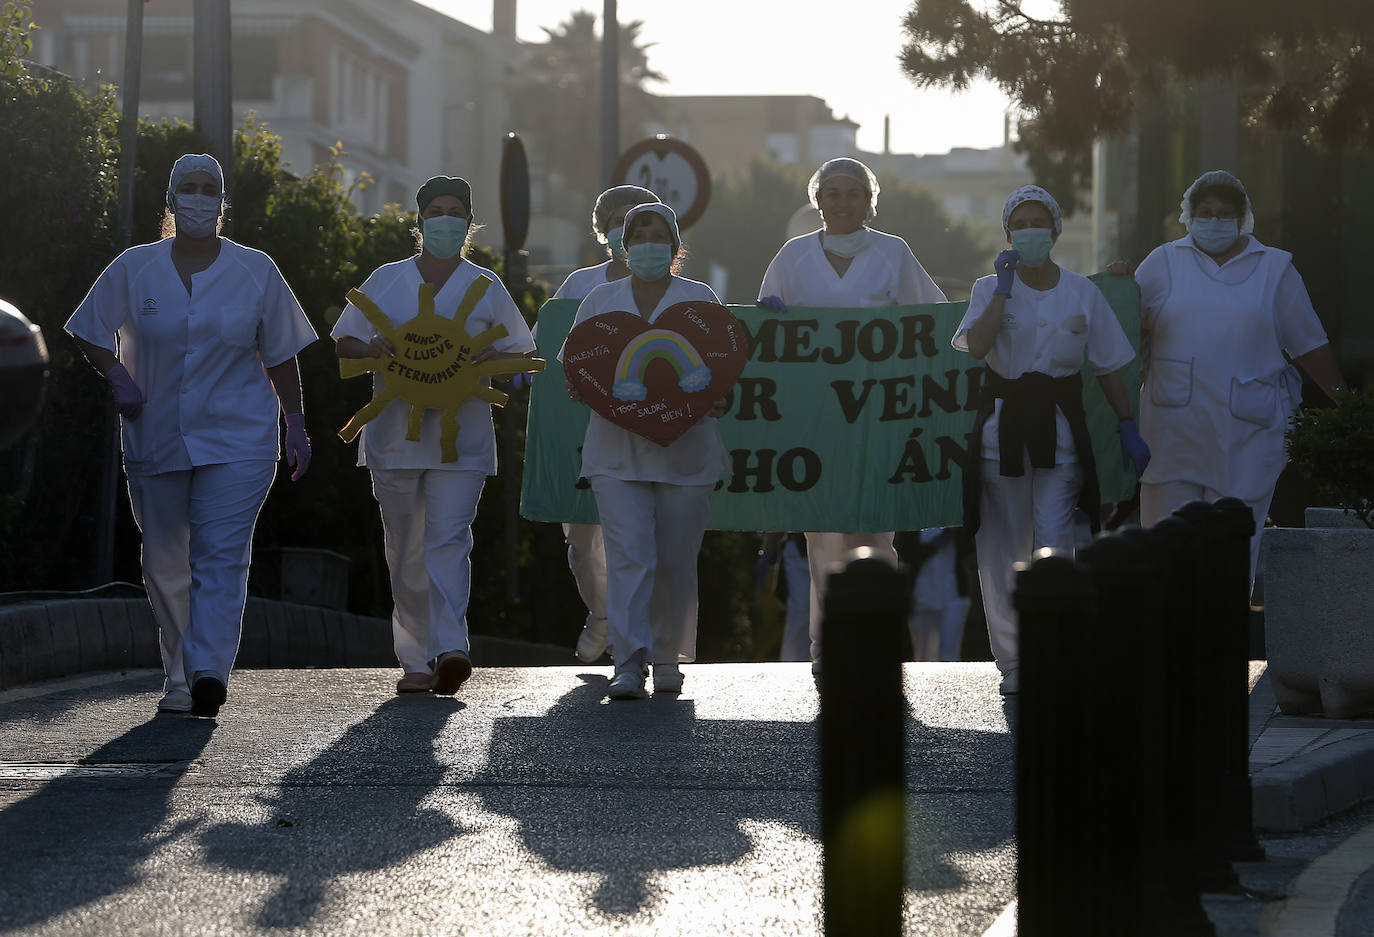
<point x="672" y="170"/>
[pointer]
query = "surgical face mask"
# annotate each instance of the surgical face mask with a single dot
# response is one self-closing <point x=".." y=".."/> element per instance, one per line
<point x="1215" y="235"/>
<point x="650" y="261"/>
<point x="846" y="245"/>
<point x="197" y="215"/>
<point x="1033" y="244"/>
<point x="615" y="240"/>
<point x="445" y="235"/>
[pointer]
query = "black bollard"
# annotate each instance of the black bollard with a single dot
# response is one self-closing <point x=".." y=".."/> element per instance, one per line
<point x="1236" y="527"/>
<point x="1211" y="648"/>
<point x="863" y="763"/>
<point x="1187" y="698"/>
<point x="1057" y="834"/>
<point x="1145" y="604"/>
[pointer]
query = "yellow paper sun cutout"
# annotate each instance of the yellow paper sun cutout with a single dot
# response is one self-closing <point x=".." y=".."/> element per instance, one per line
<point x="433" y="367"/>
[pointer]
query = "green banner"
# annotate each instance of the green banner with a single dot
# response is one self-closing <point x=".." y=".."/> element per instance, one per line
<point x="844" y="419"/>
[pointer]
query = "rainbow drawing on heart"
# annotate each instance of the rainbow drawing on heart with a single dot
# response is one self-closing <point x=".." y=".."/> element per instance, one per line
<point x="658" y="345"/>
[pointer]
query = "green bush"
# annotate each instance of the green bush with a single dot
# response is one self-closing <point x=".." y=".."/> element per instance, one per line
<point x="1334" y="448"/>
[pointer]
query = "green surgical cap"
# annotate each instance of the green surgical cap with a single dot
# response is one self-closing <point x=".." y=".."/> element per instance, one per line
<point x="443" y="185"/>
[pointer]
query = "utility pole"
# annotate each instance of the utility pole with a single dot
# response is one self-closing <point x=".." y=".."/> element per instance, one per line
<point x="610" y="93"/>
<point x="214" y="100"/>
<point x="128" y="155"/>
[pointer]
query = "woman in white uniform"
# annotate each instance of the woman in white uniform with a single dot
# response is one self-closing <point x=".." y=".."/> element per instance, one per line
<point x="1218" y="311"/>
<point x="844" y="265"/>
<point x="198" y="337"/>
<point x="1033" y="322"/>
<point x="428" y="505"/>
<point x="586" y="554"/>
<point x="653" y="500"/>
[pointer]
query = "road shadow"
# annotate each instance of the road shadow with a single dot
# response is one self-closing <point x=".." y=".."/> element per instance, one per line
<point x="628" y="791"/>
<point x="81" y="837"/>
<point x="312" y="835"/>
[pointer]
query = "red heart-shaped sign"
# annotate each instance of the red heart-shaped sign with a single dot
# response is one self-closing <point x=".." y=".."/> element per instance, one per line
<point x="656" y="379"/>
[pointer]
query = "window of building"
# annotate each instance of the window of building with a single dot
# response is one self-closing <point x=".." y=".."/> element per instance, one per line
<point x="166" y="68"/>
<point x="254" y="67"/>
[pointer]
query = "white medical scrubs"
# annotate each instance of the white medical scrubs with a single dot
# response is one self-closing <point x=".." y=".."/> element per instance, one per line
<point x="201" y="456"/>
<point x="654" y="505"/>
<point x="586" y="551"/>
<point x="938" y="611"/>
<point x="886" y="274"/>
<point x="1050" y="332"/>
<point x="428" y="505"/>
<point x="1218" y="392"/>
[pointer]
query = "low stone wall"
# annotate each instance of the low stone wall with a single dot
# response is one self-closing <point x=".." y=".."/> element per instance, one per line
<point x="40" y="640"/>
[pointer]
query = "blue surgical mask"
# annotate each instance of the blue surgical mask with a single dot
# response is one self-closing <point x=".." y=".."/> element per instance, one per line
<point x="198" y="215"/>
<point x="445" y="235"/>
<point x="1215" y="235"/>
<point x="650" y="261"/>
<point x="615" y="241"/>
<point x="1033" y="244"/>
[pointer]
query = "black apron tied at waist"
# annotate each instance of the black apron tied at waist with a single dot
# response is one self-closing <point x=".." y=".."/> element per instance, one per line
<point x="1028" y="425"/>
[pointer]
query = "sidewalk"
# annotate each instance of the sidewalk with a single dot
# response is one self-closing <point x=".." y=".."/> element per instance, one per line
<point x="1304" y="769"/>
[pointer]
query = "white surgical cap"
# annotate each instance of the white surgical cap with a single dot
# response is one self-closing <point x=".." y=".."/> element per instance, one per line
<point x="844" y="166"/>
<point x="1032" y="193"/>
<point x="658" y="208"/>
<point x="1222" y="178"/>
<point x="193" y="162"/>
<point x="614" y="198"/>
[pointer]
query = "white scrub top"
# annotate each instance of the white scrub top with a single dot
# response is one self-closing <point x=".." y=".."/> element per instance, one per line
<point x="581" y="282"/>
<point x="886" y="274"/>
<point x="697" y="457"/>
<point x="395" y="288"/>
<point x="198" y="358"/>
<point x="1048" y="331"/>
<point x="1217" y="392"/>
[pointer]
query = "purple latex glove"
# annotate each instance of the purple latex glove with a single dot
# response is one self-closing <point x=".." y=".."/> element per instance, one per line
<point x="520" y="380"/>
<point x="1005" y="268"/>
<point x="772" y="303"/>
<point x="128" y="398"/>
<point x="761" y="567"/>
<point x="1134" y="453"/>
<point x="297" y="445"/>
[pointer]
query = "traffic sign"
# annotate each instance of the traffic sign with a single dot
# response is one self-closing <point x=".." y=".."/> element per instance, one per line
<point x="670" y="169"/>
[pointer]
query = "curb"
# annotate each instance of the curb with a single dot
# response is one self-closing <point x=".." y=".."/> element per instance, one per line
<point x="1304" y="791"/>
<point x="41" y="640"/>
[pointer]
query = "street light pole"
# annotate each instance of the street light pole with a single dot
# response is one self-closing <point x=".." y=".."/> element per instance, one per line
<point x="214" y="101"/>
<point x="128" y="154"/>
<point x="610" y="93"/>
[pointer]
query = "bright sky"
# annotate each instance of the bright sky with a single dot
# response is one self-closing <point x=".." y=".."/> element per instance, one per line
<point x="845" y="53"/>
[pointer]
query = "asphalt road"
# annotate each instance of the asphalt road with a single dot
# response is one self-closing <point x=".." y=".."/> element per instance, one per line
<point x="319" y="803"/>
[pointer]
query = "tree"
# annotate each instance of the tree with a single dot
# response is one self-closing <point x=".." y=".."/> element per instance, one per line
<point x="557" y="105"/>
<point x="1304" y="69"/>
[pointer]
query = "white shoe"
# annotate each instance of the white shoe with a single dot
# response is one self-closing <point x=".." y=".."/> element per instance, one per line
<point x="175" y="701"/>
<point x="628" y="684"/>
<point x="667" y="678"/>
<point x="591" y="643"/>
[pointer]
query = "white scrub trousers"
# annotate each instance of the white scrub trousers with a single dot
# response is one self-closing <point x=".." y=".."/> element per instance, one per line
<point x="1159" y="501"/>
<point x="587" y="560"/>
<point x="1018" y="516"/>
<point x="653" y="533"/>
<point x="823" y="549"/>
<point x="197" y="530"/>
<point x="427" y="517"/>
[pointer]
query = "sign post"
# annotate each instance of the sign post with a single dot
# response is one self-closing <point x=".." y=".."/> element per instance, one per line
<point x="515" y="224"/>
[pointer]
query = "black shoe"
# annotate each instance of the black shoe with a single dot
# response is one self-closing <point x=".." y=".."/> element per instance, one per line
<point x="207" y="696"/>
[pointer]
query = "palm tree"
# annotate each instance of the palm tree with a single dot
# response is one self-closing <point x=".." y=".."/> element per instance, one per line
<point x="556" y="106"/>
